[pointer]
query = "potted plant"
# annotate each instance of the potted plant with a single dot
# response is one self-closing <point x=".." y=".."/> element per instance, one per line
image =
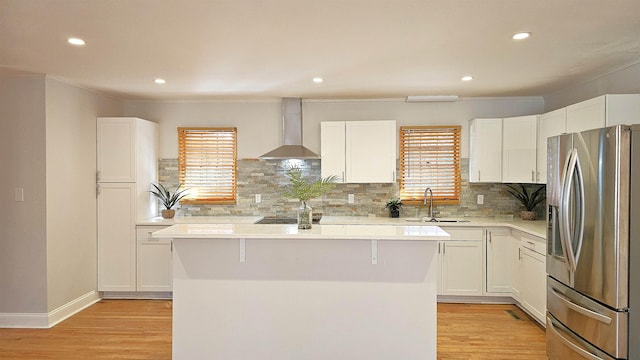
<point x="168" y="198"/>
<point x="301" y="189"/>
<point x="528" y="200"/>
<point x="394" y="207"/>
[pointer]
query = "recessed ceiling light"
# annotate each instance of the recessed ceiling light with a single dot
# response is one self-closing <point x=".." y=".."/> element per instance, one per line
<point x="467" y="78"/>
<point x="159" y="81"/>
<point x="318" y="80"/>
<point x="521" y="36"/>
<point x="75" y="41"/>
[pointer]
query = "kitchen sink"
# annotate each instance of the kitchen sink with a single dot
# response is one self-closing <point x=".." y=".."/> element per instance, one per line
<point x="436" y="220"/>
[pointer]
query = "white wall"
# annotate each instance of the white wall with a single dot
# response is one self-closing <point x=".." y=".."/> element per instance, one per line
<point x="624" y="81"/>
<point x="23" y="268"/>
<point x="259" y="123"/>
<point x="71" y="188"/>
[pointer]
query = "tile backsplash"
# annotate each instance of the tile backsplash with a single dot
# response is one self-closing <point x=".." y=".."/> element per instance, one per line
<point x="267" y="178"/>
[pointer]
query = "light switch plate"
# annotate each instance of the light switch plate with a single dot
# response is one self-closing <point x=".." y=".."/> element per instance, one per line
<point x="258" y="198"/>
<point x="19" y="194"/>
<point x="351" y="199"/>
<point x="480" y="199"/>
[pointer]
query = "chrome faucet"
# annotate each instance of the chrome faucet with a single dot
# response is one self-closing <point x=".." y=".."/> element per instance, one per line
<point x="428" y="190"/>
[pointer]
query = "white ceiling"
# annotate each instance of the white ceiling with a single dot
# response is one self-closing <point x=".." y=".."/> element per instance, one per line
<point x="251" y="49"/>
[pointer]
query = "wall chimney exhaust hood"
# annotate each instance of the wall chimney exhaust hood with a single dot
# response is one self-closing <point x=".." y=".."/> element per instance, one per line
<point x="291" y="134"/>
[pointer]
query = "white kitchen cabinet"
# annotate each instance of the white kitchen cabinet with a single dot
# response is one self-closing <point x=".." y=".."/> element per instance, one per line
<point x="534" y="276"/>
<point x="499" y="243"/>
<point x="586" y="115"/>
<point x="460" y="263"/>
<point x="622" y="109"/>
<point x="369" y="151"/>
<point x="127" y="162"/>
<point x="153" y="260"/>
<point x="515" y="269"/>
<point x="485" y="150"/>
<point x="332" y="149"/>
<point x="601" y="111"/>
<point x="519" y="149"/>
<point x="116" y="237"/>
<point x="550" y="124"/>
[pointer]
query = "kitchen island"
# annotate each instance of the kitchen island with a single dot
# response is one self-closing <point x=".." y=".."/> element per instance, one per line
<point x="331" y="292"/>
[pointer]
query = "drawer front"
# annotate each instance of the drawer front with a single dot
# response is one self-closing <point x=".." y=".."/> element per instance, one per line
<point x="458" y="233"/>
<point x="143" y="233"/>
<point x="536" y="244"/>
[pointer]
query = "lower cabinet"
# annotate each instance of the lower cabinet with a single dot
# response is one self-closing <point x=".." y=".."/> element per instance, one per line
<point x="500" y="245"/>
<point x="534" y="276"/>
<point x="460" y="263"/>
<point x="153" y="260"/>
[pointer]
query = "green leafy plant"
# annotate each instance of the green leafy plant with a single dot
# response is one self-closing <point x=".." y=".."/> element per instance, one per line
<point x="300" y="188"/>
<point x="394" y="205"/>
<point x="528" y="200"/>
<point x="168" y="198"/>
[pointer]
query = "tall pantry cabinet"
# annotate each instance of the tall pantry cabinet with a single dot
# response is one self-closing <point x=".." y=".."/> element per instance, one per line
<point x="127" y="157"/>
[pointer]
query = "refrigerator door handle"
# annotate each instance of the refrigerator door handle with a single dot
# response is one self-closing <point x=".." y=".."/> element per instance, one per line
<point x="572" y="176"/>
<point x="563" y="213"/>
<point x="582" y="352"/>
<point x="580" y="309"/>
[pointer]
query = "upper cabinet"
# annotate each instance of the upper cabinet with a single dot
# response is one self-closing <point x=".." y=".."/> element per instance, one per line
<point x="586" y="115"/>
<point x="363" y="152"/>
<point x="519" y="149"/>
<point x="485" y="150"/>
<point x="126" y="149"/>
<point x="332" y="150"/>
<point x="605" y="110"/>
<point x="549" y="124"/>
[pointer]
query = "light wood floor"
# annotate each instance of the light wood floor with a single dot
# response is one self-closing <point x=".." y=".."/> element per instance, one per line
<point x="141" y="329"/>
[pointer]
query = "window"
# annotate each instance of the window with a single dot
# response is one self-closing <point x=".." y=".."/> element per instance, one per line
<point x="207" y="164"/>
<point x="430" y="157"/>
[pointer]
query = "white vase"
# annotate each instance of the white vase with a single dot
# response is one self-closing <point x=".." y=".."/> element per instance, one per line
<point x="304" y="216"/>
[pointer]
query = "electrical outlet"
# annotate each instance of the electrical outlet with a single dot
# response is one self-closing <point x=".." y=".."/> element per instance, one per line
<point x="351" y="199"/>
<point x="258" y="198"/>
<point x="480" y="199"/>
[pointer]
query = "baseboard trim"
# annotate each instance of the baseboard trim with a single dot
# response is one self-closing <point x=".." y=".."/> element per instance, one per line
<point x="72" y="307"/>
<point x="138" y="295"/>
<point x="50" y="319"/>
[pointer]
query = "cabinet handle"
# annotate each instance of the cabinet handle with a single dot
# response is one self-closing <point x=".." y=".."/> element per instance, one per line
<point x="533" y="176"/>
<point x="439" y="247"/>
<point x="343" y="179"/>
<point x="97" y="190"/>
<point x="444" y="249"/>
<point x="537" y="176"/>
<point x="478" y="175"/>
<point x="393" y="176"/>
<point x="519" y="254"/>
<point x="98" y="175"/>
<point x="489" y="236"/>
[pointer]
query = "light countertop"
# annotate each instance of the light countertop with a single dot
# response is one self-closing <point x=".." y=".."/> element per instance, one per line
<point x="536" y="228"/>
<point x="201" y="220"/>
<point x="324" y="232"/>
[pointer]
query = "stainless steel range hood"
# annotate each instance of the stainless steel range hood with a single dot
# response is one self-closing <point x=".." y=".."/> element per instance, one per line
<point x="291" y="134"/>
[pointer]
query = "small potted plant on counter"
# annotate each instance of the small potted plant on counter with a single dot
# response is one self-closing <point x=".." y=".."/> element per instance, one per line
<point x="394" y="207"/>
<point x="168" y="198"/>
<point x="528" y="200"/>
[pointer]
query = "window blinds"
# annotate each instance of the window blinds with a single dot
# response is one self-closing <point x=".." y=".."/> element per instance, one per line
<point x="430" y="157"/>
<point x="207" y="164"/>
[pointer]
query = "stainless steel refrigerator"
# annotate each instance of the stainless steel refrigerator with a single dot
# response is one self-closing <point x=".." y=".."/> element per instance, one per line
<point x="593" y="244"/>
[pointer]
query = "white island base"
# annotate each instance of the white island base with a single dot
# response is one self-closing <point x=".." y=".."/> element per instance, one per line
<point x="306" y="296"/>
